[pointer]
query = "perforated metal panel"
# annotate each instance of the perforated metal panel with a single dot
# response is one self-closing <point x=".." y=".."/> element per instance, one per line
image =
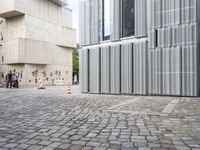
<point x="87" y="23"/>
<point x="127" y="68"/>
<point x="168" y="64"/>
<point x="115" y="19"/>
<point x="94" y="20"/>
<point x="140" y="76"/>
<point x="115" y="69"/>
<point x="140" y="18"/>
<point x="84" y="80"/>
<point x="105" y="69"/>
<point x="94" y="69"/>
<point x="175" y="71"/>
<point x="155" y="71"/>
<point x="82" y="21"/>
<point x="189" y="71"/>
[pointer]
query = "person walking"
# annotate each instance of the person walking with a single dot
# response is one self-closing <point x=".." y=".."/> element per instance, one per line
<point x="17" y="80"/>
<point x="13" y="81"/>
<point x="75" y="79"/>
<point x="9" y="76"/>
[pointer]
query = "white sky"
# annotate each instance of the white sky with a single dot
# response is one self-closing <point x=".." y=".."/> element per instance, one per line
<point x="74" y="5"/>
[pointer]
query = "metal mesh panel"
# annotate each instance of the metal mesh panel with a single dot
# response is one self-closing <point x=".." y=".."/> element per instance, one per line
<point x="94" y="70"/>
<point x="115" y="69"/>
<point x="127" y="68"/>
<point x="84" y="70"/>
<point x="140" y="18"/>
<point x="105" y="69"/>
<point x="115" y="20"/>
<point x="140" y="67"/>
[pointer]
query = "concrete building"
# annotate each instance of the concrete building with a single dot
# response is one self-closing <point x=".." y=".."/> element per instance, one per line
<point x="37" y="40"/>
<point x="141" y="47"/>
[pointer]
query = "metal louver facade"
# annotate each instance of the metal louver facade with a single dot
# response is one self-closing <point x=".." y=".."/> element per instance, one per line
<point x="161" y="58"/>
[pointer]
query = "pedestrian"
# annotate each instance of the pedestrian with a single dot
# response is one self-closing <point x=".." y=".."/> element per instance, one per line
<point x="6" y="80"/>
<point x="14" y="80"/>
<point x="9" y="76"/>
<point x="75" y="79"/>
<point x="17" y="80"/>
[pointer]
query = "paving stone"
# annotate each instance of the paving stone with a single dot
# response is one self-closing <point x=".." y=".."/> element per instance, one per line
<point x="128" y="148"/>
<point x="127" y="144"/>
<point x="152" y="138"/>
<point x="3" y="139"/>
<point x="45" y="143"/>
<point x="85" y="139"/>
<point x="116" y="142"/>
<point x="94" y="144"/>
<point x="56" y="135"/>
<point x="48" y="148"/>
<point x="99" y="148"/>
<point x="51" y="120"/>
<point x="82" y="143"/>
<point x="153" y="145"/>
<point x="105" y="145"/>
<point x="64" y="146"/>
<point x="34" y="147"/>
<point x="42" y="138"/>
<point x="4" y="148"/>
<point x="54" y="139"/>
<point x="168" y="146"/>
<point x="11" y="145"/>
<point x="55" y="144"/>
<point x="87" y="148"/>
<point x="2" y="143"/>
<point x="32" y="142"/>
<point x="30" y="136"/>
<point x="23" y="146"/>
<point x="139" y="144"/>
<point x="76" y="137"/>
<point x="91" y="135"/>
<point x="144" y="148"/>
<point x="76" y="148"/>
<point x="178" y="147"/>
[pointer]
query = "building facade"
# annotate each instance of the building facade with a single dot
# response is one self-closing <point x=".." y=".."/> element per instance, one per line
<point x="37" y="41"/>
<point x="141" y="47"/>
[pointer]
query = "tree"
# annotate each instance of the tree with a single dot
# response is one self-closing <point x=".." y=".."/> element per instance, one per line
<point x="75" y="63"/>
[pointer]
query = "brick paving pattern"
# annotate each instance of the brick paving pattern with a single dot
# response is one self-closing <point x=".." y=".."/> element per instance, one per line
<point x="49" y="119"/>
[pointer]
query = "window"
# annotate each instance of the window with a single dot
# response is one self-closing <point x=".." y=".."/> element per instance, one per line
<point x="1" y="37"/>
<point x="106" y="20"/>
<point x="21" y="74"/>
<point x="156" y="38"/>
<point x="128" y="18"/>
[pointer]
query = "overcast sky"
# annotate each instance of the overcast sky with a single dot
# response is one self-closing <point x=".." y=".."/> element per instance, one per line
<point x="74" y="5"/>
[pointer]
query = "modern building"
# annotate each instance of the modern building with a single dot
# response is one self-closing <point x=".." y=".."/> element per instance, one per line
<point x="37" y="40"/>
<point x="141" y="47"/>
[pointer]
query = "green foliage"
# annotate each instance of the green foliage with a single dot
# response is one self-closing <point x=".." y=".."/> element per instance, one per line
<point x="75" y="63"/>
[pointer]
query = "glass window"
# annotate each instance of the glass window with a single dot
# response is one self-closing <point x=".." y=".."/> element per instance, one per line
<point x="106" y="20"/>
<point x="128" y="17"/>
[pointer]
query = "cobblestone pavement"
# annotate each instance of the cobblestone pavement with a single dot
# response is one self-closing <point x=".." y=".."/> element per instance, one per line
<point x="50" y="119"/>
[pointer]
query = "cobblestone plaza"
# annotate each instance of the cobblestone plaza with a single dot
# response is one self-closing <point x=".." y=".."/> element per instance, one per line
<point x="50" y="119"/>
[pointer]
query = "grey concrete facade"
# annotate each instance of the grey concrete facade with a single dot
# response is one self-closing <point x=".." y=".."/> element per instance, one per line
<point x="160" y="56"/>
<point x="37" y="39"/>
